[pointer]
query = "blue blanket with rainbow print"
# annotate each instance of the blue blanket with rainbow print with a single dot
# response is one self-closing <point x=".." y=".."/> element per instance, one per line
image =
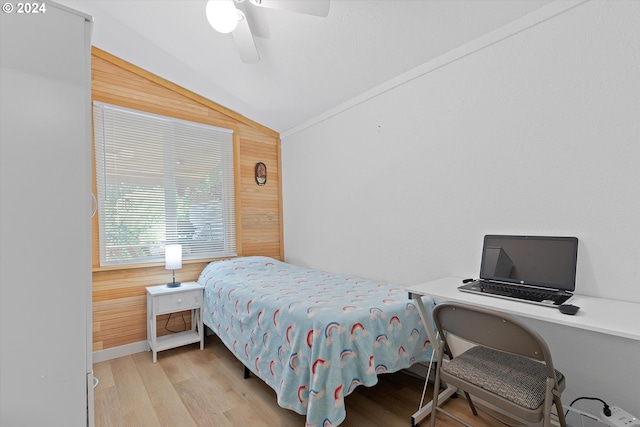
<point x="311" y="335"/>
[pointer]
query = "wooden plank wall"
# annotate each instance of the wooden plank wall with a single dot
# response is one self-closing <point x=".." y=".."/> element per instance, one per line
<point x="119" y="295"/>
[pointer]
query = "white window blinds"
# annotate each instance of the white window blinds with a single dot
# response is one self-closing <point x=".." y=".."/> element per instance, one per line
<point x="162" y="181"/>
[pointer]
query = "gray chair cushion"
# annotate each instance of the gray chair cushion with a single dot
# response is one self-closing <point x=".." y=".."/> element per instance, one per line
<point x="515" y="378"/>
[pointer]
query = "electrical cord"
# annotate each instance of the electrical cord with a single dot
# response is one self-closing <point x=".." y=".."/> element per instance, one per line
<point x="166" y="324"/>
<point x="605" y="410"/>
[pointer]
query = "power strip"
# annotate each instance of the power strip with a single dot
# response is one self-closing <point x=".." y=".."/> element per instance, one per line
<point x="619" y="418"/>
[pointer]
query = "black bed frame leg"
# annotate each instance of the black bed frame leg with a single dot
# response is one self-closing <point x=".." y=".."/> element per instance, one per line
<point x="247" y="372"/>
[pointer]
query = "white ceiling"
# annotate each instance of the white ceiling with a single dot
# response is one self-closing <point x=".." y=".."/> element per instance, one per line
<point x="309" y="64"/>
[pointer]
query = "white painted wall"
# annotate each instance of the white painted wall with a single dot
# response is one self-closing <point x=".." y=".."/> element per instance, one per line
<point x="533" y="129"/>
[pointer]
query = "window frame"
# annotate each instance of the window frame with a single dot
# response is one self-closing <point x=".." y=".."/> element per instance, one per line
<point x="230" y="243"/>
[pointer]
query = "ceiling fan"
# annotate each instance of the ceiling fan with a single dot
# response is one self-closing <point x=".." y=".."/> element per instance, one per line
<point x="244" y="19"/>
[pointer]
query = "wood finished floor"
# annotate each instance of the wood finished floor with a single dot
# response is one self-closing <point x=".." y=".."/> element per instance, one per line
<point x="189" y="387"/>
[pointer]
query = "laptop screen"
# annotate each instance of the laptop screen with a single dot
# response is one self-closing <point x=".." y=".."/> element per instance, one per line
<point x="548" y="262"/>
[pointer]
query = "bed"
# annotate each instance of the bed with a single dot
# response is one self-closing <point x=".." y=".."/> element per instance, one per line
<point x="311" y="335"/>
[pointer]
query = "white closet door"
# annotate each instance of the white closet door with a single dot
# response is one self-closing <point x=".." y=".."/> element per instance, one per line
<point x="45" y="218"/>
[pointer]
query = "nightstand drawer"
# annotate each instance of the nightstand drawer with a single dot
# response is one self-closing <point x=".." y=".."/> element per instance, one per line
<point x="179" y="301"/>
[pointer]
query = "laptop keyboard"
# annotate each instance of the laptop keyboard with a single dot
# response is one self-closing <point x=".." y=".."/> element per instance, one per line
<point x="535" y="295"/>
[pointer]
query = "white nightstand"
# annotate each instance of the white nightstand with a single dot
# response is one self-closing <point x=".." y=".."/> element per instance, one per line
<point x="163" y="300"/>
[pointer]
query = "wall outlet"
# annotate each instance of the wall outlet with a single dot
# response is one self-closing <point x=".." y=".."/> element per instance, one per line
<point x="619" y="418"/>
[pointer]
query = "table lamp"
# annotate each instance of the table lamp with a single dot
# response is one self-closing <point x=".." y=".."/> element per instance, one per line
<point x="173" y="261"/>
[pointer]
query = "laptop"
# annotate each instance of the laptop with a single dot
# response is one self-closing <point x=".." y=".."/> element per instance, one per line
<point x="533" y="269"/>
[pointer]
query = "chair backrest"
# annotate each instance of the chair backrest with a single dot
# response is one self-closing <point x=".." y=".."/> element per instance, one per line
<point x="491" y="328"/>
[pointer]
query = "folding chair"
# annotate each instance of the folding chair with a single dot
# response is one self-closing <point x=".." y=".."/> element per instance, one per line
<point x="510" y="367"/>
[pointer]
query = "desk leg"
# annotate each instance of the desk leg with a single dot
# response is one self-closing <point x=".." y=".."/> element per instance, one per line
<point x="425" y="411"/>
<point x="447" y="392"/>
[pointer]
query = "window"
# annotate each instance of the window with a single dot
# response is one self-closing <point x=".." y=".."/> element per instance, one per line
<point x="162" y="181"/>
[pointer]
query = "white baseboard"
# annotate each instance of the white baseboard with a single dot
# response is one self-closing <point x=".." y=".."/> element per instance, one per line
<point x="120" y="351"/>
<point x="127" y="349"/>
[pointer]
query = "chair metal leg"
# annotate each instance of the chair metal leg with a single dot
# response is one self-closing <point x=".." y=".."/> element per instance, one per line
<point x="561" y="418"/>
<point x="548" y="402"/>
<point x="436" y="389"/>
<point x="425" y="411"/>
<point x="470" y="402"/>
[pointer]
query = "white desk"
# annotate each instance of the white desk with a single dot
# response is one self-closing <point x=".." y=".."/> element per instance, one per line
<point x="612" y="317"/>
<point x="618" y="318"/>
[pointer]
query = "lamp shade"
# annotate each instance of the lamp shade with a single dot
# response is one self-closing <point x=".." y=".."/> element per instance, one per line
<point x="173" y="257"/>
<point x="222" y="15"/>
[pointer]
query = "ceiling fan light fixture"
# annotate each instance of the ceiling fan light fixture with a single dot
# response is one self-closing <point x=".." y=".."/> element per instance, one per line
<point x="222" y="15"/>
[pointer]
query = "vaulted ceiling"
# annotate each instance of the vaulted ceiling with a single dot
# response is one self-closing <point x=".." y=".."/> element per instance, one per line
<point x="308" y="64"/>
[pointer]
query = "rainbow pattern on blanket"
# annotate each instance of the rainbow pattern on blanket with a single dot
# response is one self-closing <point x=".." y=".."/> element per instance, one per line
<point x="310" y="335"/>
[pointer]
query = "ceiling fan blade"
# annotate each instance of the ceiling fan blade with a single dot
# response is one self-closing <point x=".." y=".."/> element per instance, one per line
<point x="245" y="44"/>
<point x="307" y="7"/>
<point x="256" y="18"/>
